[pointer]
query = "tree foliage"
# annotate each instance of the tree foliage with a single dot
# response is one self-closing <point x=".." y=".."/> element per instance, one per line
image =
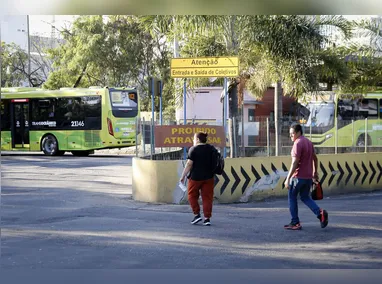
<point x="113" y="51"/>
<point x="15" y="66"/>
<point x="292" y="49"/>
<point x="296" y="50"/>
<point x="364" y="59"/>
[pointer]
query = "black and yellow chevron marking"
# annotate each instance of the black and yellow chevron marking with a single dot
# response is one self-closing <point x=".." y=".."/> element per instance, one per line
<point x="380" y="172"/>
<point x="333" y="172"/>
<point x="352" y="173"/>
<point x="241" y="177"/>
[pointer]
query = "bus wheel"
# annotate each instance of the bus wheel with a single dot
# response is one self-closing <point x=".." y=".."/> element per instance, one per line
<point x="49" y="145"/>
<point x="361" y="141"/>
<point x="81" y="153"/>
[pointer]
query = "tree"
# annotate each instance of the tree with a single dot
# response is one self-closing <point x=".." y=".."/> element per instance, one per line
<point x="364" y="60"/>
<point x="111" y="51"/>
<point x="289" y="50"/>
<point x="372" y="30"/>
<point x="192" y="34"/>
<point x="14" y="60"/>
<point x="364" y="71"/>
<point x="14" y="67"/>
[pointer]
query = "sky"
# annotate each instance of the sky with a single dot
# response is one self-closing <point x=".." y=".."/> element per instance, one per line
<point x="41" y="25"/>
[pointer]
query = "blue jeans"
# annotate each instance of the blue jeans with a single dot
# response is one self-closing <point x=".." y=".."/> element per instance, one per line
<point x="302" y="186"/>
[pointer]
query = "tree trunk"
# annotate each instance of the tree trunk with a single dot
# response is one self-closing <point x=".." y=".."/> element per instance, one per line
<point x="233" y="34"/>
<point x="234" y="125"/>
<point x="278" y="117"/>
<point x="178" y="94"/>
<point x="330" y="86"/>
<point x="80" y="77"/>
<point x="233" y="94"/>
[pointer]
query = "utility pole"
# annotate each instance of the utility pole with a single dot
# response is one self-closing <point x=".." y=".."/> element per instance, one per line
<point x="233" y="114"/>
<point x="178" y="101"/>
<point x="29" y="53"/>
<point x="278" y="98"/>
<point x="53" y="32"/>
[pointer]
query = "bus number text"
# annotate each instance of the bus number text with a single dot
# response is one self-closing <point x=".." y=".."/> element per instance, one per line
<point x="77" y="123"/>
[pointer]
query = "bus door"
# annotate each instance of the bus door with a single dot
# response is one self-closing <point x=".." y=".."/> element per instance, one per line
<point x="20" y="123"/>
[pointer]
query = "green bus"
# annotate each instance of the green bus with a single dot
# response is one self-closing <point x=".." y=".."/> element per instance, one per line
<point x="344" y="121"/>
<point x="79" y="120"/>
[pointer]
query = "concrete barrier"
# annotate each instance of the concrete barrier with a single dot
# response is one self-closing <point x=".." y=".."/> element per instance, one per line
<point x="257" y="178"/>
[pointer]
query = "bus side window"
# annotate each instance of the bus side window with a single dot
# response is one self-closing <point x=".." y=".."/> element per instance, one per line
<point x="64" y="112"/>
<point x="43" y="110"/>
<point x="92" y="112"/>
<point x="368" y="108"/>
<point x="5" y="115"/>
<point x="345" y="109"/>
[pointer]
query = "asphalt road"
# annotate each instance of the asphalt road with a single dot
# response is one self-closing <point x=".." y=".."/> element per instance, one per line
<point x="75" y="212"/>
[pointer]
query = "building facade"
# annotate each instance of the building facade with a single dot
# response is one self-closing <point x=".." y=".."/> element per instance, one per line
<point x="204" y="106"/>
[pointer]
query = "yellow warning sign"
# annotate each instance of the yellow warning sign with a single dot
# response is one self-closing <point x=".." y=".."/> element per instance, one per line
<point x="205" y="67"/>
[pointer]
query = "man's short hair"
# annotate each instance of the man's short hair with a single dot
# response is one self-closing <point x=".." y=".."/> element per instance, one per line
<point x="297" y="128"/>
<point x="202" y="136"/>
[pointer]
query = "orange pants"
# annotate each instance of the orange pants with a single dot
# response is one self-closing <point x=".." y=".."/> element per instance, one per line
<point x="207" y="191"/>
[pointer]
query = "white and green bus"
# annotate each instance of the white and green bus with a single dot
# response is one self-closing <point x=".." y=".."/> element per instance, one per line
<point x="344" y="121"/>
<point x="79" y="120"/>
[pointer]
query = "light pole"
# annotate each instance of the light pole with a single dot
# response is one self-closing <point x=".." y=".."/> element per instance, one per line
<point x="29" y="53"/>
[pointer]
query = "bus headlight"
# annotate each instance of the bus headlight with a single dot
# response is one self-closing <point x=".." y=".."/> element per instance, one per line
<point x="328" y="136"/>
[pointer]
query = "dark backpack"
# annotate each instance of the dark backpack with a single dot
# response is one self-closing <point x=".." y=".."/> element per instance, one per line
<point x="217" y="162"/>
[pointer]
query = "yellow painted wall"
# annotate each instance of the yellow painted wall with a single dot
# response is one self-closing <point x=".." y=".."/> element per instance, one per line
<point x="156" y="181"/>
<point x="246" y="179"/>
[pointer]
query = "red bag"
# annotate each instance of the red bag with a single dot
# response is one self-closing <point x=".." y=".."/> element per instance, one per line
<point x="317" y="193"/>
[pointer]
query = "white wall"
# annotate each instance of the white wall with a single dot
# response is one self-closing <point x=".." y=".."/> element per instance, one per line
<point x="203" y="104"/>
<point x="14" y="29"/>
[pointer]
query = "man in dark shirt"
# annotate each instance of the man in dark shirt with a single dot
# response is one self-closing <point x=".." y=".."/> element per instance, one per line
<point x="199" y="169"/>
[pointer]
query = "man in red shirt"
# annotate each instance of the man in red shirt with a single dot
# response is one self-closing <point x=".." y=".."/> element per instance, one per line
<point x="299" y="179"/>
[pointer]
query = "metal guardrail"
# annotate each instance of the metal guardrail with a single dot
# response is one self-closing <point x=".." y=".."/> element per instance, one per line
<point x="258" y="143"/>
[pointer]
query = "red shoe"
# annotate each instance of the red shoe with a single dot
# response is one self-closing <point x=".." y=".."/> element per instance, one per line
<point x="323" y="217"/>
<point x="293" y="226"/>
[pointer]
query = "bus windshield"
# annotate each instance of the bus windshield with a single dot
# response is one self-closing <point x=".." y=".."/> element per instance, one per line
<point x="124" y="103"/>
<point x="123" y="99"/>
<point x="321" y="115"/>
<point x="320" y="118"/>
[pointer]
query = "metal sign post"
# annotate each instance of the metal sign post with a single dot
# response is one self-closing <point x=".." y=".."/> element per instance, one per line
<point x="144" y="135"/>
<point x="160" y="101"/>
<point x="160" y="106"/>
<point x="225" y="116"/>
<point x="184" y="112"/>
<point x="218" y="66"/>
<point x="152" y="116"/>
<point x="136" y="135"/>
